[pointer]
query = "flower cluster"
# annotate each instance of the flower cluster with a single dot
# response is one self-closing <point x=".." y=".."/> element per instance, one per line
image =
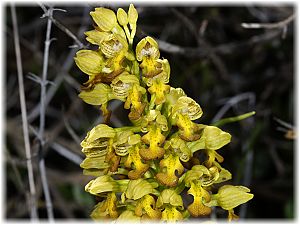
<point x="142" y="171"/>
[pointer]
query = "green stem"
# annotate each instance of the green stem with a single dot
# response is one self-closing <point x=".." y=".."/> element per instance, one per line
<point x="130" y="40"/>
<point x="233" y="119"/>
<point x="152" y="100"/>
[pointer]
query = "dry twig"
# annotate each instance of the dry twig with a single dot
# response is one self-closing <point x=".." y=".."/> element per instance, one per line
<point x="42" y="120"/>
<point x="32" y="202"/>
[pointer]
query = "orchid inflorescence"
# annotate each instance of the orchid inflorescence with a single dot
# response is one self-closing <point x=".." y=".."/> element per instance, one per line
<point x="142" y="171"/>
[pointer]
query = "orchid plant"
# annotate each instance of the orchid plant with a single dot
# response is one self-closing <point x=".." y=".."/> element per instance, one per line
<point x="142" y="171"/>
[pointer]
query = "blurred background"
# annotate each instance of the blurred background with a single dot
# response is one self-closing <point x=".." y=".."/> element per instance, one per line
<point x="229" y="69"/>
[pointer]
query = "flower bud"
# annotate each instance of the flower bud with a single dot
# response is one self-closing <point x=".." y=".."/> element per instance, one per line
<point x="132" y="14"/>
<point x="104" y="18"/>
<point x="122" y="17"/>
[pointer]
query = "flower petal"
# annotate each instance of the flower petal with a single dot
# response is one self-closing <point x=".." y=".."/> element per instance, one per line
<point x="169" y="196"/>
<point x="215" y="138"/>
<point x="197" y="208"/>
<point x="171" y="167"/>
<point x="230" y="196"/>
<point x="102" y="184"/>
<point x="96" y="37"/>
<point x="171" y="214"/>
<point x="100" y="95"/>
<point x="138" y="188"/>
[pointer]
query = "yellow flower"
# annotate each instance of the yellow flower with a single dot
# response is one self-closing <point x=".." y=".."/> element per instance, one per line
<point x="95" y="147"/>
<point x="170" y="201"/>
<point x="161" y="72"/>
<point x="197" y="208"/>
<point x="113" y="45"/>
<point x="124" y="141"/>
<point x="201" y="174"/>
<point x="224" y="174"/>
<point x="154" y="116"/>
<point x="146" y="205"/>
<point x="107" y="208"/>
<point x="95" y="143"/>
<point x="187" y="106"/>
<point x="122" y="84"/>
<point x="154" y="139"/>
<point x="96" y="37"/>
<point x="147" y="48"/>
<point x="188" y="130"/>
<point x="134" y="160"/>
<point x="134" y="102"/>
<point x="171" y="167"/>
<point x="159" y="89"/>
<point x="179" y="146"/>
